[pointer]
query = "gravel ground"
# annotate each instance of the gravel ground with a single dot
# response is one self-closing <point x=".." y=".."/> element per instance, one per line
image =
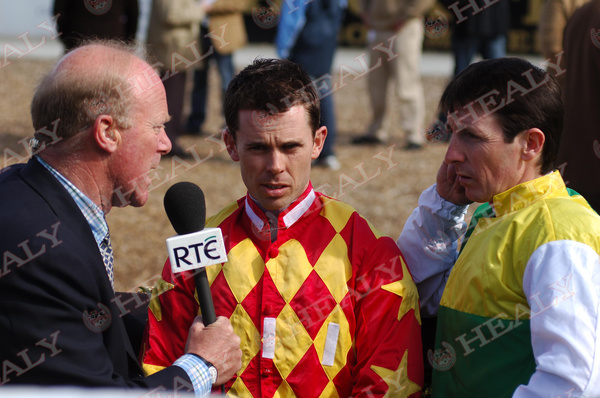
<point x="382" y="182"/>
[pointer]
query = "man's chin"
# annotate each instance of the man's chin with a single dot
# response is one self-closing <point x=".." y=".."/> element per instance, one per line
<point x="475" y="198"/>
<point x="137" y="199"/>
<point x="274" y="204"/>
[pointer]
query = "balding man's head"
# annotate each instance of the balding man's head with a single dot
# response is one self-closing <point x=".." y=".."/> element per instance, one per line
<point x="94" y="79"/>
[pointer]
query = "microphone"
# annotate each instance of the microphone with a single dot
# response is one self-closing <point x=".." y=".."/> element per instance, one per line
<point x="195" y="247"/>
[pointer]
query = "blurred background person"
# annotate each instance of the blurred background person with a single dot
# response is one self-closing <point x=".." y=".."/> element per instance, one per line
<point x="82" y="19"/>
<point x="226" y="22"/>
<point x="579" y="151"/>
<point x="173" y="41"/>
<point x="397" y="24"/>
<point x="307" y="34"/>
<point x="553" y="19"/>
<point x="479" y="30"/>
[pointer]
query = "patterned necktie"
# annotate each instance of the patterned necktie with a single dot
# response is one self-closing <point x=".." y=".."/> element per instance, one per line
<point x="107" y="257"/>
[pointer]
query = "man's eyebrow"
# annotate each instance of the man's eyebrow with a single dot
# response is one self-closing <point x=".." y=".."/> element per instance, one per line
<point x="254" y="142"/>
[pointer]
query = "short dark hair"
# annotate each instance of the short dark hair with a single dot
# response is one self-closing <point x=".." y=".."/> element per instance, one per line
<point x="271" y="85"/>
<point x="531" y="98"/>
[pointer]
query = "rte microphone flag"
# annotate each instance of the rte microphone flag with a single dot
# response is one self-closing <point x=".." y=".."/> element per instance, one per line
<point x="196" y="250"/>
<point x="195" y="247"/>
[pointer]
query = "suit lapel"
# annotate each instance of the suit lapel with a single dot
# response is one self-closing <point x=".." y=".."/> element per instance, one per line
<point x="65" y="208"/>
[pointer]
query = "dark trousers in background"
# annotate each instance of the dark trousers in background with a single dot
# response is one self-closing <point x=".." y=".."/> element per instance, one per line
<point x="175" y="90"/>
<point x="199" y="95"/>
<point x="465" y="49"/>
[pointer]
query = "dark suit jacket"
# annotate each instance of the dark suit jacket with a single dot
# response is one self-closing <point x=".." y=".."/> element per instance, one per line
<point x="59" y="320"/>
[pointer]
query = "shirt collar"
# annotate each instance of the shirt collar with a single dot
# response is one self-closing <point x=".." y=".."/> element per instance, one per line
<point x="522" y="195"/>
<point x="287" y="217"/>
<point x="91" y="211"/>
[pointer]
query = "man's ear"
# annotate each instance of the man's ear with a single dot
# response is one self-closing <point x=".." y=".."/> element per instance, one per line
<point x="230" y="144"/>
<point x="533" y="144"/>
<point x="106" y="134"/>
<point x="319" y="141"/>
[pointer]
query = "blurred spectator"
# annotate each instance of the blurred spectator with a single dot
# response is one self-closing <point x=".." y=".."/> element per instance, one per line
<point x="82" y="19"/>
<point x="579" y="151"/>
<point x="307" y="35"/>
<point x="397" y="23"/>
<point x="223" y="29"/>
<point x="553" y="19"/>
<point x="478" y="28"/>
<point x="173" y="41"/>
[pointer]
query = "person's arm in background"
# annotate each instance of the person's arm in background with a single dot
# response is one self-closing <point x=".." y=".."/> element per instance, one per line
<point x="429" y="239"/>
<point x="289" y="27"/>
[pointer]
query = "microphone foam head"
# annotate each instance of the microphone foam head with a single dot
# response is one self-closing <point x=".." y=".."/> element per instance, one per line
<point x="185" y="206"/>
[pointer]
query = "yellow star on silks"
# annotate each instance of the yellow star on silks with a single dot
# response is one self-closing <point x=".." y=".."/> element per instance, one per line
<point x="399" y="385"/>
<point x="406" y="289"/>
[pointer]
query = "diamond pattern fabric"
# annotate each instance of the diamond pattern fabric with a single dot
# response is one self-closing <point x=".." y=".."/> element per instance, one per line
<point x="323" y="272"/>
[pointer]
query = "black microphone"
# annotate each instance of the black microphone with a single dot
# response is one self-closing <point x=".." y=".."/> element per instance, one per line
<point x="185" y="206"/>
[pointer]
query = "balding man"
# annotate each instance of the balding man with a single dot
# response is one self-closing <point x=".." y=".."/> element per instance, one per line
<point x="99" y="117"/>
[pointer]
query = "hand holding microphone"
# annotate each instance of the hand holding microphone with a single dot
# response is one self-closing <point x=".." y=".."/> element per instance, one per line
<point x="192" y="250"/>
<point x="217" y="344"/>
